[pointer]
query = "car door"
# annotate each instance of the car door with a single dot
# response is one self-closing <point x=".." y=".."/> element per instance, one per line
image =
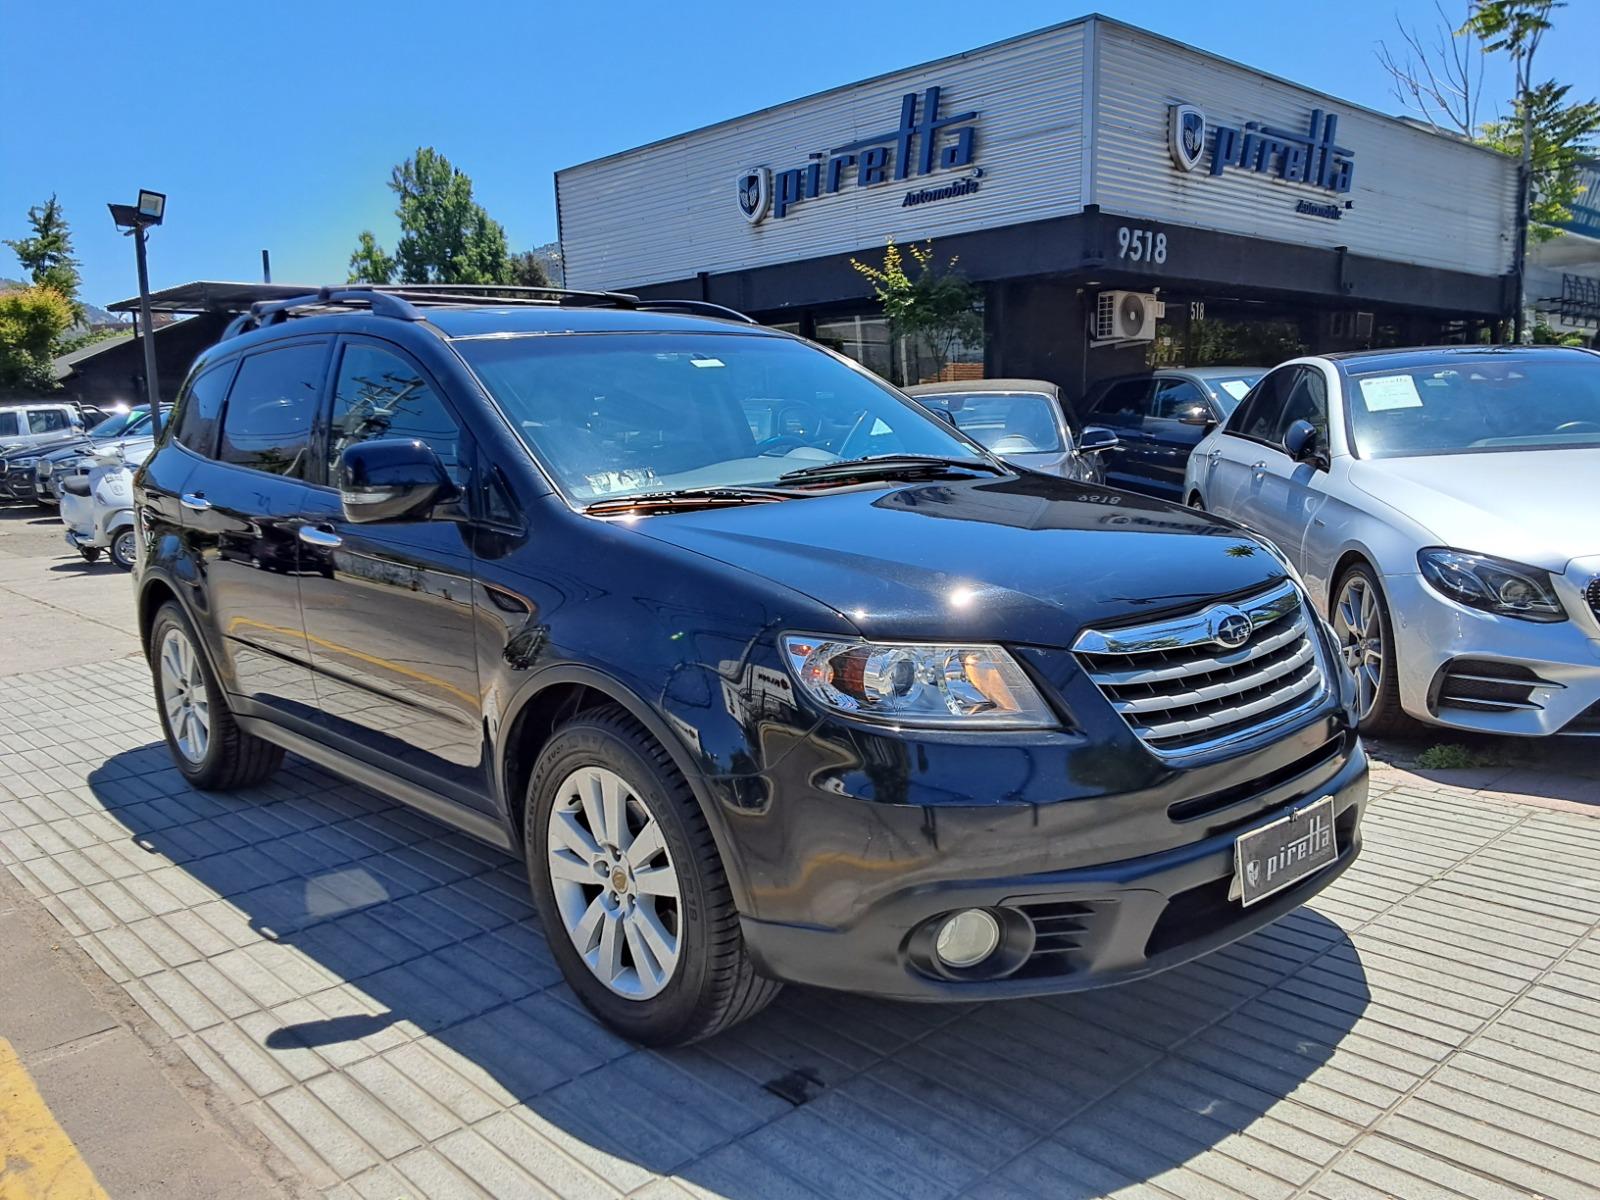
<point x="1170" y="435"/>
<point x="1122" y="406"/>
<point x="240" y="509"/>
<point x="1288" y="494"/>
<point x="1230" y="477"/>
<point x="388" y="605"/>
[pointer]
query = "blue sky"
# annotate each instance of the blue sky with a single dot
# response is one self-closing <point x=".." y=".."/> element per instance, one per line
<point x="276" y="125"/>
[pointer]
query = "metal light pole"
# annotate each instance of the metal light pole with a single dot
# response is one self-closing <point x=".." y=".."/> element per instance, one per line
<point x="135" y="219"/>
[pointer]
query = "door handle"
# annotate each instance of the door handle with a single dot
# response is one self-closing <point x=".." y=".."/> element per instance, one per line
<point x="316" y="535"/>
<point x="195" y="500"/>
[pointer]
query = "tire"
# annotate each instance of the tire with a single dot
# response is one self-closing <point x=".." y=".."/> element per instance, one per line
<point x="124" y="549"/>
<point x="710" y="982"/>
<point x="1352" y="614"/>
<point x="91" y="554"/>
<point x="1196" y="503"/>
<point x="206" y="743"/>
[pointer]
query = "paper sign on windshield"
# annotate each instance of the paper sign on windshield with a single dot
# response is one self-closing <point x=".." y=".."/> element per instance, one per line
<point x="1237" y="388"/>
<point x="1381" y="393"/>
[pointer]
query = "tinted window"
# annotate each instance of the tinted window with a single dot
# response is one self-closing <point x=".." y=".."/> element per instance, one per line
<point x="381" y="395"/>
<point x="8" y="424"/>
<point x="1125" y="402"/>
<point x="267" y="423"/>
<point x="47" y="420"/>
<point x="1308" y="401"/>
<point x="1176" y="398"/>
<point x="1258" y="417"/>
<point x="198" y="409"/>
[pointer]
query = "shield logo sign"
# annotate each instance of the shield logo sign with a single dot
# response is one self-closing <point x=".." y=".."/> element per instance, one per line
<point x="755" y="193"/>
<point x="1186" y="135"/>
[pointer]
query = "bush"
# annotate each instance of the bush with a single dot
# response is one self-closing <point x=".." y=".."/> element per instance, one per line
<point x="32" y="321"/>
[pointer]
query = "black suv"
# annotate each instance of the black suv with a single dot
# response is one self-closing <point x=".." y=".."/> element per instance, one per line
<point x="767" y="673"/>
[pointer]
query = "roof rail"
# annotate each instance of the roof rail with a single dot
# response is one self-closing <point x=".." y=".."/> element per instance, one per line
<point x="402" y="301"/>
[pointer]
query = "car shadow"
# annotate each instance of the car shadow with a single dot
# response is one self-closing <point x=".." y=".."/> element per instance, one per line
<point x="405" y="928"/>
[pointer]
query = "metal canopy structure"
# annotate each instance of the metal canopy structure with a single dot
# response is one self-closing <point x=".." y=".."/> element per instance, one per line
<point x="214" y="296"/>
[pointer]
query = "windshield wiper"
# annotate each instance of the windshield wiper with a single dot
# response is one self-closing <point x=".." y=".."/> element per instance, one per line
<point x="700" y="497"/>
<point x="890" y="466"/>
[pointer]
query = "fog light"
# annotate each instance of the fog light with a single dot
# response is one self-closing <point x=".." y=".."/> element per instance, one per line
<point x="967" y="938"/>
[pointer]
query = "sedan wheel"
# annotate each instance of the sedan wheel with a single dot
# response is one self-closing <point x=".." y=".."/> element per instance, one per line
<point x="1365" y="635"/>
<point x="183" y="694"/>
<point x="614" y="882"/>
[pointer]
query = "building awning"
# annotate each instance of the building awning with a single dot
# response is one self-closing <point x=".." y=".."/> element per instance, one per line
<point x="213" y="296"/>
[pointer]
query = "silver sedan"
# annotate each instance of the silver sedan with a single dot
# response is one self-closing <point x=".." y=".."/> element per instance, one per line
<point x="1439" y="505"/>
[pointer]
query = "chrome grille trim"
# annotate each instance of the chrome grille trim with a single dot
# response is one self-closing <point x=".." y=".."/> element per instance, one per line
<point x="1183" y="693"/>
<point x="1592" y="595"/>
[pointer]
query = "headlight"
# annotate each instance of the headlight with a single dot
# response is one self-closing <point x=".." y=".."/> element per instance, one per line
<point x="939" y="685"/>
<point x="1492" y="584"/>
<point x="18" y="464"/>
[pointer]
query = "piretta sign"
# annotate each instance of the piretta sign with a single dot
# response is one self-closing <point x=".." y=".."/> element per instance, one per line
<point x="923" y="143"/>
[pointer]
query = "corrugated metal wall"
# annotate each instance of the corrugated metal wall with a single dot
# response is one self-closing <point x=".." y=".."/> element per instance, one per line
<point x="1419" y="197"/>
<point x="669" y="210"/>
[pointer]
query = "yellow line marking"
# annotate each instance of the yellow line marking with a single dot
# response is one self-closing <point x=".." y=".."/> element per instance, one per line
<point x="37" y="1159"/>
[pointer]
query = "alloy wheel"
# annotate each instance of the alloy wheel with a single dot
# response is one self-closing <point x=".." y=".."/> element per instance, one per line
<point x="183" y="693"/>
<point x="124" y="549"/>
<point x="614" y="883"/>
<point x="1359" y="628"/>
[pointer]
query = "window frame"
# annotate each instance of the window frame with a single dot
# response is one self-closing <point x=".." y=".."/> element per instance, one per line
<point x="171" y="416"/>
<point x="322" y="340"/>
<point x="1202" y="396"/>
<point x="1246" y="409"/>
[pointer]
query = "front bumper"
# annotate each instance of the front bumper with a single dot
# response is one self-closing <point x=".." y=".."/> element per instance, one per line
<point x="1089" y="926"/>
<point x="1560" y="659"/>
<point x="17" y="483"/>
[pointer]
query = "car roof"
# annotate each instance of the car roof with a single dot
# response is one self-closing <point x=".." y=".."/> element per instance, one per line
<point x="1426" y="356"/>
<point x="952" y="386"/>
<point x="461" y="321"/>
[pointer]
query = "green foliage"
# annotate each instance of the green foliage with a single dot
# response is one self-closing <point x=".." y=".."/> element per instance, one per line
<point x="527" y="270"/>
<point x="1543" y="335"/>
<point x="32" y="321"/>
<point x="1214" y="343"/>
<point x="47" y="255"/>
<point x="1452" y="756"/>
<point x="1514" y="26"/>
<point x="369" y="264"/>
<point x="934" y="305"/>
<point x="1563" y="136"/>
<point x="445" y="235"/>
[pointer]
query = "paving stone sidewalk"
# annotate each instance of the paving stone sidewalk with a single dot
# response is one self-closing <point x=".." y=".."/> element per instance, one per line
<point x="373" y="991"/>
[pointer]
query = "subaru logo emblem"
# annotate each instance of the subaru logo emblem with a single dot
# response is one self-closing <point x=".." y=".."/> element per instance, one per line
<point x="1230" y="628"/>
<point x="1186" y="135"/>
<point x="755" y="194"/>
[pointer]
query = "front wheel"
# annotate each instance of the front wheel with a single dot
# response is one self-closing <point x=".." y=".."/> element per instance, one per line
<point x="1360" y="620"/>
<point x="629" y="886"/>
<point x="207" y="745"/>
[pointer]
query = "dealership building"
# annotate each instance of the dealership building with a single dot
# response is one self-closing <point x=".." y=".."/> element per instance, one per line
<point x="1119" y="199"/>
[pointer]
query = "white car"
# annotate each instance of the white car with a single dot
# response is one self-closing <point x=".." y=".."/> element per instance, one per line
<point x="1440" y="506"/>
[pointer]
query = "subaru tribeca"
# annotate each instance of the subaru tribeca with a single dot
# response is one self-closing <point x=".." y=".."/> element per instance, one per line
<point x="766" y="673"/>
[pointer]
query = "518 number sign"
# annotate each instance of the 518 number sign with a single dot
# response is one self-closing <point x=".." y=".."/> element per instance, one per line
<point x="1141" y="245"/>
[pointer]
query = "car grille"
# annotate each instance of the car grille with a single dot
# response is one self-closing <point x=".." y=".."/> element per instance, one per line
<point x="1593" y="596"/>
<point x="1064" y="935"/>
<point x="1184" y="691"/>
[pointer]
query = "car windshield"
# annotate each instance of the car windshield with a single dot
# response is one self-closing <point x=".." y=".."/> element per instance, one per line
<point x="117" y="423"/>
<point x="621" y="414"/>
<point x="1005" y="422"/>
<point x="1475" y="406"/>
<point x="1228" y="390"/>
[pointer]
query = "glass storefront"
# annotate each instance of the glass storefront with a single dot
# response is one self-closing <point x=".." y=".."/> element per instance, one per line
<point x="899" y="359"/>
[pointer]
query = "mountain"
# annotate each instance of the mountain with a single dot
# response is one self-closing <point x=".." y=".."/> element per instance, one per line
<point x="94" y="317"/>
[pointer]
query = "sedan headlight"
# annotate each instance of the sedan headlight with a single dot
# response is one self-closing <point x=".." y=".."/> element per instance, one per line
<point x="1492" y="584"/>
<point x="948" y="686"/>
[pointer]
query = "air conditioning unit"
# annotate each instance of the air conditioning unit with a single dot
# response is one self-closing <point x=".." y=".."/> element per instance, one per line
<point x="1125" y="317"/>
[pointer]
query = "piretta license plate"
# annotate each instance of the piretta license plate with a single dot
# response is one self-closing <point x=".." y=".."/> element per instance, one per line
<point x="1271" y="858"/>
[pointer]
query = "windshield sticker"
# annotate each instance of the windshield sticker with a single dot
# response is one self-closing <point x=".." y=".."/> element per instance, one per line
<point x="706" y="362"/>
<point x="1380" y="393"/>
<point x="879" y="428"/>
<point x="1237" y="388"/>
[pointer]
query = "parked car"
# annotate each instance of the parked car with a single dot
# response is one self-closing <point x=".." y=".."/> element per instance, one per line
<point x="1027" y="422"/>
<point x="1435" y="502"/>
<point x="1159" y="417"/>
<point x="97" y="507"/>
<point x="56" y="463"/>
<point x="23" y="428"/>
<point x="872" y="711"/>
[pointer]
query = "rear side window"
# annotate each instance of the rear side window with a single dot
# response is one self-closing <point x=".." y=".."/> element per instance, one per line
<point x="47" y="420"/>
<point x="271" y="408"/>
<point x="198" y="411"/>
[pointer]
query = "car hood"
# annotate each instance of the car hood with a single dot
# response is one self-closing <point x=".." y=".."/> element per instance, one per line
<point x="38" y="449"/>
<point x="1027" y="559"/>
<point x="1528" y="505"/>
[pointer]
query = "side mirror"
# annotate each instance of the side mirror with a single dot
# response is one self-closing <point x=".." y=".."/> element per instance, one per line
<point x="1300" y="443"/>
<point x="1198" y="415"/>
<point x="390" y="479"/>
<point x="1096" y="439"/>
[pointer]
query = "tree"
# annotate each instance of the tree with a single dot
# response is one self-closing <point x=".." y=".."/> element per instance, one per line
<point x="445" y="235"/>
<point x="369" y="264"/>
<point x="1439" y="78"/>
<point x="47" y="255"/>
<point x="933" y="305"/>
<point x="527" y="270"/>
<point x="32" y="321"/>
<point x="1561" y="138"/>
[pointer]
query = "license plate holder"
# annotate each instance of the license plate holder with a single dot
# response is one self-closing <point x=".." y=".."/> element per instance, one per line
<point x="1279" y="855"/>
